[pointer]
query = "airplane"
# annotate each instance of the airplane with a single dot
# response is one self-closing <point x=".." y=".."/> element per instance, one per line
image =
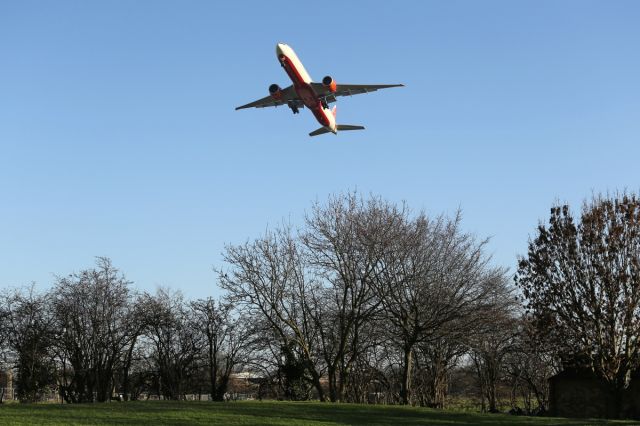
<point x="315" y="96"/>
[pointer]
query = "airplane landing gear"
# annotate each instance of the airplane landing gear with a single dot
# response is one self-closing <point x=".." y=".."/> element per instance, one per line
<point x="324" y="103"/>
<point x="294" y="108"/>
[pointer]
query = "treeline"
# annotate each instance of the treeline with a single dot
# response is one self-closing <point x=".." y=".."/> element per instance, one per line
<point x="366" y="302"/>
<point x="92" y="336"/>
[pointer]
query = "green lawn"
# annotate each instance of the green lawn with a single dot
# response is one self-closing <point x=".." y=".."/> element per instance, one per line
<point x="255" y="413"/>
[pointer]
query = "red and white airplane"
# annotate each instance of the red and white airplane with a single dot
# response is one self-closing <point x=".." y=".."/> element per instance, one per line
<point x="315" y="96"/>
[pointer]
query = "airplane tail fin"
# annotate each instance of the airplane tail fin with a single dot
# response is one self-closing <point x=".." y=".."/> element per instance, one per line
<point x="340" y="127"/>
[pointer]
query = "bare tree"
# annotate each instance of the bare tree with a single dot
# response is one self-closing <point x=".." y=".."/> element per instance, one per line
<point x="530" y="364"/>
<point x="581" y="282"/>
<point x="28" y="329"/>
<point x="226" y="339"/>
<point x="92" y="311"/>
<point x="367" y="381"/>
<point x="136" y="320"/>
<point x="271" y="360"/>
<point x="436" y="284"/>
<point x="267" y="278"/>
<point x="142" y="374"/>
<point x="345" y="240"/>
<point x="177" y="345"/>
<point x="4" y="336"/>
<point x="435" y="359"/>
<point x="489" y="351"/>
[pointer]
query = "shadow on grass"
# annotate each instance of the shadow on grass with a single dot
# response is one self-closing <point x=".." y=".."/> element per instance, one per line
<point x="155" y="413"/>
<point x="354" y="414"/>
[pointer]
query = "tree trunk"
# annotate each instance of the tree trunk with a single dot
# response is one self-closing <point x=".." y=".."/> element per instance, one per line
<point x="318" y="386"/>
<point x="213" y="370"/>
<point x="342" y="382"/>
<point x="126" y="384"/>
<point x="104" y="384"/>
<point x="614" y="408"/>
<point x="492" y="396"/>
<point x="406" y="375"/>
<point x="333" y="391"/>
<point x="438" y="388"/>
<point x="483" y="406"/>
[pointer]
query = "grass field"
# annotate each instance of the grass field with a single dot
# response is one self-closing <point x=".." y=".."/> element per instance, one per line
<point x="256" y="413"/>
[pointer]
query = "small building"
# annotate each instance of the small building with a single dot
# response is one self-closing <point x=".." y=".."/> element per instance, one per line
<point x="631" y="404"/>
<point x="244" y="385"/>
<point x="580" y="393"/>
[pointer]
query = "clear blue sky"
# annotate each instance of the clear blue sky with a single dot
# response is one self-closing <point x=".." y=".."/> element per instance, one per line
<point x="118" y="135"/>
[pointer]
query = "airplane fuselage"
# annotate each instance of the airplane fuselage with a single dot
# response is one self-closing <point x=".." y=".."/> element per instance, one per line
<point x="301" y="84"/>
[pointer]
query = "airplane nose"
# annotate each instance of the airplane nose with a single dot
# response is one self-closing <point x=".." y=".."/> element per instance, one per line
<point x="280" y="48"/>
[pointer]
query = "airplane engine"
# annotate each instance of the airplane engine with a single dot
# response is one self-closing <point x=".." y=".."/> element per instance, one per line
<point x="330" y="84"/>
<point x="275" y="91"/>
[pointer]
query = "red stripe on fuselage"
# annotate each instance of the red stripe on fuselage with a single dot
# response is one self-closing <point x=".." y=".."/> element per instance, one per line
<point x="305" y="91"/>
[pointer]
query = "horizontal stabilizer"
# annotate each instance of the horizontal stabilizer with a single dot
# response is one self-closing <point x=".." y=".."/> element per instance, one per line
<point x="349" y="127"/>
<point x="339" y="127"/>
<point x="320" y="131"/>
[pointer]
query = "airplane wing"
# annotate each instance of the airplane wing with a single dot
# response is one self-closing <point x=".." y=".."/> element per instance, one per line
<point x="348" y="89"/>
<point x="288" y="94"/>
